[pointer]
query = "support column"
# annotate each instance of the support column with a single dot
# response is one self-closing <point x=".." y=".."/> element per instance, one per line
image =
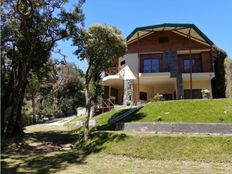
<point x="171" y="62"/>
<point x="128" y="92"/>
<point x="109" y="91"/>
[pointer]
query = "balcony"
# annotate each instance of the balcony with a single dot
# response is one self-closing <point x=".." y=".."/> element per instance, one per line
<point x="112" y="71"/>
<point x="112" y="74"/>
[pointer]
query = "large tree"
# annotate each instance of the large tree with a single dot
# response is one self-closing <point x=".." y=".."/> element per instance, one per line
<point x="29" y="32"/>
<point x="228" y="77"/>
<point x="100" y="45"/>
<point x="69" y="88"/>
<point x="63" y="93"/>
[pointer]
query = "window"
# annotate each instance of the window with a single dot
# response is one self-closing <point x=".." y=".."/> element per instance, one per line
<point x="163" y="39"/>
<point x="151" y="65"/>
<point x="122" y="62"/>
<point x="143" y="96"/>
<point x="167" y="96"/>
<point x="196" y="94"/>
<point x="196" y="65"/>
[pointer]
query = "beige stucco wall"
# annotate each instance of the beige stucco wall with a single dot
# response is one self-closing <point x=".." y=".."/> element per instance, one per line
<point x="151" y="90"/>
<point x="148" y="89"/>
<point x="164" y="89"/>
<point x="199" y="84"/>
<point x="130" y="69"/>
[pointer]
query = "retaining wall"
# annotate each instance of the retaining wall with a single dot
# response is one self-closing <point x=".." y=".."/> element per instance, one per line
<point x="177" y="127"/>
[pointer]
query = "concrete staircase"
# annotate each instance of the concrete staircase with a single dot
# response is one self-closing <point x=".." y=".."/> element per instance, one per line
<point x="124" y="115"/>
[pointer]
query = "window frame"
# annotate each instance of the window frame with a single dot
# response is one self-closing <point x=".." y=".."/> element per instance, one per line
<point x="196" y="68"/>
<point x="151" y="57"/>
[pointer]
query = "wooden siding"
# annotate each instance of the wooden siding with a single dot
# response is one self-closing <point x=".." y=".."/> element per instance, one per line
<point x="176" y="42"/>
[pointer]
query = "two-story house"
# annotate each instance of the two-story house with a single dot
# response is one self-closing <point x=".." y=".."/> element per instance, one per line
<point x="174" y="60"/>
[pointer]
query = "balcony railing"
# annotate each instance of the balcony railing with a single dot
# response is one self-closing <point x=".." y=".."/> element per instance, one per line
<point x="161" y="69"/>
<point x="112" y="71"/>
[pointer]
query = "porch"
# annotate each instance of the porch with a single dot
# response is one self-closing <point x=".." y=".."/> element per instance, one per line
<point x="149" y="86"/>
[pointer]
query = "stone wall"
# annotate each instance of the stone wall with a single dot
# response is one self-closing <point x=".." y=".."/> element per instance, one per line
<point x="128" y="92"/>
<point x="171" y="64"/>
<point x="177" y="127"/>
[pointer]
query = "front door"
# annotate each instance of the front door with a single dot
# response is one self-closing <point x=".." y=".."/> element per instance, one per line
<point x="114" y="93"/>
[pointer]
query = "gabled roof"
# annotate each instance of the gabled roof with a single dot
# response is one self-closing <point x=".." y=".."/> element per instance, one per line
<point x="181" y="29"/>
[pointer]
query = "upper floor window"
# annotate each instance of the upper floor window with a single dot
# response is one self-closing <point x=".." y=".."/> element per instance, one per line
<point x="196" y="65"/>
<point x="163" y="39"/>
<point x="151" y="65"/>
<point x="122" y="62"/>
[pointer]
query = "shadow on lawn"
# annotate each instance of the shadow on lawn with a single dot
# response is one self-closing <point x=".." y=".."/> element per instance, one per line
<point x="134" y="117"/>
<point x="108" y="126"/>
<point x="48" y="156"/>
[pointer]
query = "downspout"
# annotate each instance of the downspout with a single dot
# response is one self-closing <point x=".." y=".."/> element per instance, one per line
<point x="212" y="64"/>
<point x="191" y="65"/>
<point x="138" y="85"/>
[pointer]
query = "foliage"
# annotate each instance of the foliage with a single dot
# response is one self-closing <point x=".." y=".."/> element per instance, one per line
<point x="228" y="77"/>
<point x="218" y="82"/>
<point x="100" y="45"/>
<point x="63" y="94"/>
<point x="69" y="88"/>
<point x="29" y="32"/>
<point x="157" y="97"/>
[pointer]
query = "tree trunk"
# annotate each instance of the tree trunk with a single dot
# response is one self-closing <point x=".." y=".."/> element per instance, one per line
<point x="15" y="96"/>
<point x="33" y="107"/>
<point x="2" y="124"/>
<point x="88" y="110"/>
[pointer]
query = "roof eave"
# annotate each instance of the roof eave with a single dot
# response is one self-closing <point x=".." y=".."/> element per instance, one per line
<point x="171" y="25"/>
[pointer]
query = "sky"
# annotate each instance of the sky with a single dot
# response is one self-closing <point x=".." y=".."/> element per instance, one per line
<point x="212" y="17"/>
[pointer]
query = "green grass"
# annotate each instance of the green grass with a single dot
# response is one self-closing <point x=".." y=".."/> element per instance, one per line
<point x="202" y="111"/>
<point x="158" y="147"/>
<point x="41" y="151"/>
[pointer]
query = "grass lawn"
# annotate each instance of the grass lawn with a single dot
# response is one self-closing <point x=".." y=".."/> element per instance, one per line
<point x="56" y="149"/>
<point x="202" y="111"/>
<point x="166" y="147"/>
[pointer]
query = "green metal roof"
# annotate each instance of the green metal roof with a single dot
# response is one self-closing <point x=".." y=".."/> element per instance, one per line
<point x="174" y="25"/>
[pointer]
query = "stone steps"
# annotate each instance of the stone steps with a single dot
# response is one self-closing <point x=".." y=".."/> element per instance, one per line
<point x="124" y="115"/>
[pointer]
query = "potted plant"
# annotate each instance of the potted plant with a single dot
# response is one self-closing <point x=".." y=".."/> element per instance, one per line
<point x="205" y="93"/>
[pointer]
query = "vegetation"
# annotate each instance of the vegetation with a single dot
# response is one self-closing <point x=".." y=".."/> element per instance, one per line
<point x="218" y="82"/>
<point x="29" y="32"/>
<point x="101" y="45"/>
<point x="228" y="77"/>
<point x="194" y="148"/>
<point x="51" y="149"/>
<point x="205" y="111"/>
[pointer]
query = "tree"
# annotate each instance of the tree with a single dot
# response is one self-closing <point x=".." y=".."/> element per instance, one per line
<point x="218" y="82"/>
<point x="29" y="32"/>
<point x="60" y="91"/>
<point x="228" y="77"/>
<point x="40" y="84"/>
<point x="69" y="88"/>
<point x="100" y="45"/>
<point x="33" y="90"/>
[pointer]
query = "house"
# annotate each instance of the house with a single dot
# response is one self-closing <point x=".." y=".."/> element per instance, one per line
<point x="174" y="60"/>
